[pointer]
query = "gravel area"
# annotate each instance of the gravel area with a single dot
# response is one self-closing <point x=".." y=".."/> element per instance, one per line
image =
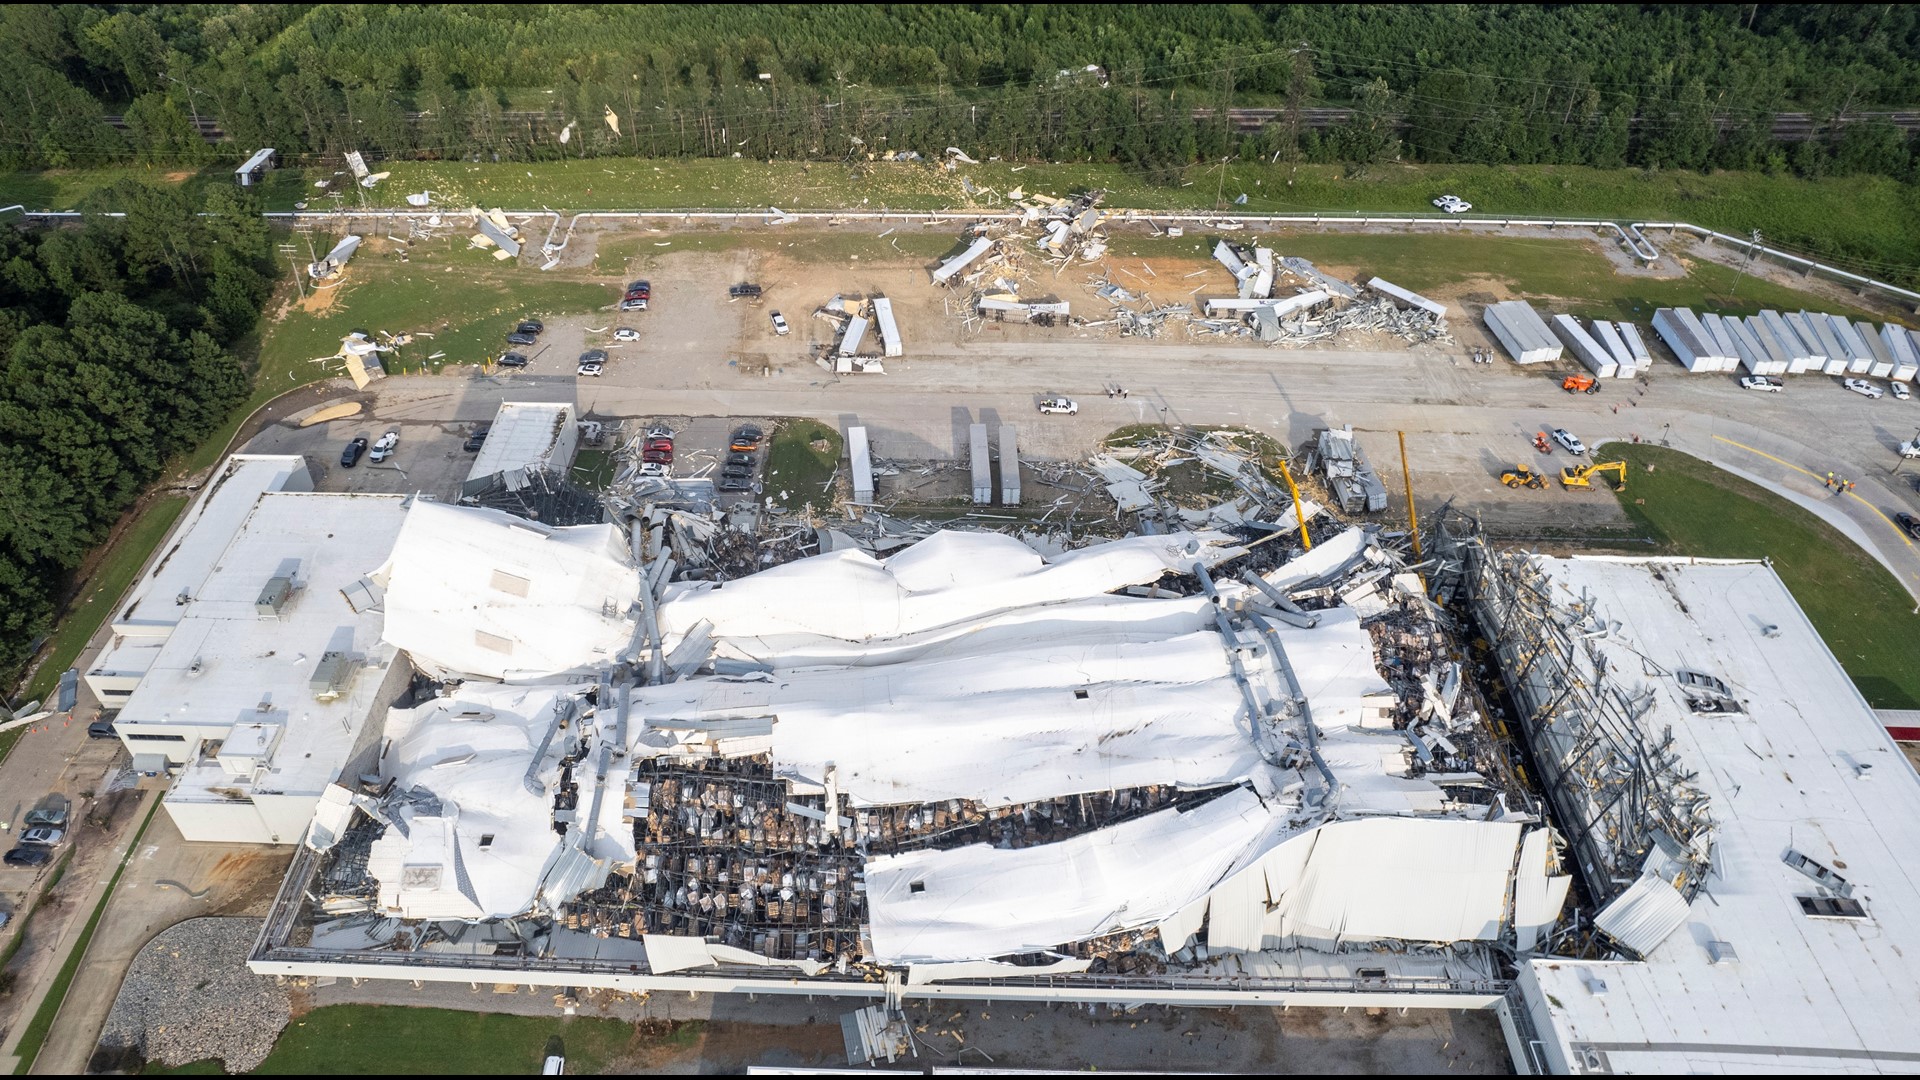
<point x="188" y="996"/>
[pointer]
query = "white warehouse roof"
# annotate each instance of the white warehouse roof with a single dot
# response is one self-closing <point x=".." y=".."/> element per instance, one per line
<point x="526" y="433"/>
<point x="1747" y="980"/>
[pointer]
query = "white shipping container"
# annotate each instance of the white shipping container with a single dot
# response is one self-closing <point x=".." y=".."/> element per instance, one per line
<point x="1642" y="358"/>
<point x="1882" y="359"/>
<point x="1777" y="358"/>
<point x="1522" y="332"/>
<point x="1616" y="348"/>
<point x="1798" y="359"/>
<point x="1585" y="349"/>
<point x="1809" y="341"/>
<point x="1859" y="357"/>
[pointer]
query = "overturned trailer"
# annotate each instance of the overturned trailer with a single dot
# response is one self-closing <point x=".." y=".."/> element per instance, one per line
<point x="1355" y="485"/>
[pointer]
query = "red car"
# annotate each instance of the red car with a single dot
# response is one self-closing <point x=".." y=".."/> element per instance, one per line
<point x="659" y="451"/>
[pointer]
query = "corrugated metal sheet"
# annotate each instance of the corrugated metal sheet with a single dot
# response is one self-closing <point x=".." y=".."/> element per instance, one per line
<point x="1639" y="919"/>
<point x="1408" y="296"/>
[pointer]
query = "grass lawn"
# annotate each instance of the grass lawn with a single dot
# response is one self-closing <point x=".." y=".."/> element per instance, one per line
<point x="1537" y="268"/>
<point x="1859" y="218"/>
<point x="593" y="468"/>
<point x="35" y="1035"/>
<point x="796" y="472"/>
<point x="463" y="298"/>
<point x="385" y="1040"/>
<point x="1855" y="603"/>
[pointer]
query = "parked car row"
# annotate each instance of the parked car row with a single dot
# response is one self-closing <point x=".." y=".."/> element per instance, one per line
<point x="736" y="473"/>
<point x="46" y="827"/>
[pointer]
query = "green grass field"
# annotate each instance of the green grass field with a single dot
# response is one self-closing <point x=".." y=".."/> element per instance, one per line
<point x="1859" y="608"/>
<point x="465" y="300"/>
<point x="376" y="1040"/>
<point x="796" y="472"/>
<point x="1537" y="268"/>
<point x="1868" y="220"/>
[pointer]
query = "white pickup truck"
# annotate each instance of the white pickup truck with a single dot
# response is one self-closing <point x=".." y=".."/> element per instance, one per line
<point x="1911" y="448"/>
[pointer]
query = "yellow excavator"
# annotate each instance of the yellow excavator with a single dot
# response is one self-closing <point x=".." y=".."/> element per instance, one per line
<point x="1581" y="476"/>
<point x="1522" y="475"/>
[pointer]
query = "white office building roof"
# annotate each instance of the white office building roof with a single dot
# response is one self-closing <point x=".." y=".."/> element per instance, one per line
<point x="526" y="433"/>
<point x="1744" y="979"/>
<point x="241" y="672"/>
<point x="201" y="534"/>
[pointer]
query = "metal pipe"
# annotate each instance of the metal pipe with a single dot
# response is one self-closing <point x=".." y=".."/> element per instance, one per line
<point x="1304" y="622"/>
<point x="1279" y="598"/>
<point x="1299" y="697"/>
<point x="562" y="712"/>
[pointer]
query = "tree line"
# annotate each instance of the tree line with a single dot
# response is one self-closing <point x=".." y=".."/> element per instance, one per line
<point x="1665" y="86"/>
<point x="116" y="342"/>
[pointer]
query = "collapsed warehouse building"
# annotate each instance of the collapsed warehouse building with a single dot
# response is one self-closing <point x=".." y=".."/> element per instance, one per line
<point x="1219" y="763"/>
<point x="859" y="770"/>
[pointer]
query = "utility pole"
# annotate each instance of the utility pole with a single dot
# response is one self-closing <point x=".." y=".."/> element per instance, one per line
<point x="1302" y="64"/>
<point x="1745" y="264"/>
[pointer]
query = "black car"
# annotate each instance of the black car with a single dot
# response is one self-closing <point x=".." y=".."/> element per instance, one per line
<point x="29" y="856"/>
<point x="351" y="455"/>
<point x="594" y="356"/>
<point x="746" y="439"/>
<point x="531" y="326"/>
<point x="739" y="458"/>
<point x="512" y="359"/>
<point x="476" y="440"/>
<point x="1910" y="523"/>
<point x="102" y="729"/>
<point x="518" y="338"/>
<point x="736" y="483"/>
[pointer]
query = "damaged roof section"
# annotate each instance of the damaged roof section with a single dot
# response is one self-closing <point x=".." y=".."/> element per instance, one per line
<point x="847" y="764"/>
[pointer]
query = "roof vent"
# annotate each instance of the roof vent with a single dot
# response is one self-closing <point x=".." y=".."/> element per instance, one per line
<point x="273" y="598"/>
<point x="1719" y="952"/>
<point x="334" y="676"/>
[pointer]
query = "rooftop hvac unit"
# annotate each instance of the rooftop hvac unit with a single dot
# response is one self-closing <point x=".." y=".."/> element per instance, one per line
<point x="334" y="676"/>
<point x="273" y="597"/>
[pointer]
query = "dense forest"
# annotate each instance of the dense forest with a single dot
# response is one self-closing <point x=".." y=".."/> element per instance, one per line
<point x="1667" y="86"/>
<point x="114" y="338"/>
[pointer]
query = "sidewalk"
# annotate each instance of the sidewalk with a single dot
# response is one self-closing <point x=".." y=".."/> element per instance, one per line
<point x="79" y="912"/>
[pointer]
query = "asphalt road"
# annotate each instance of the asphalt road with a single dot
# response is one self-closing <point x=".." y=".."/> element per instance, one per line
<point x="1464" y="422"/>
